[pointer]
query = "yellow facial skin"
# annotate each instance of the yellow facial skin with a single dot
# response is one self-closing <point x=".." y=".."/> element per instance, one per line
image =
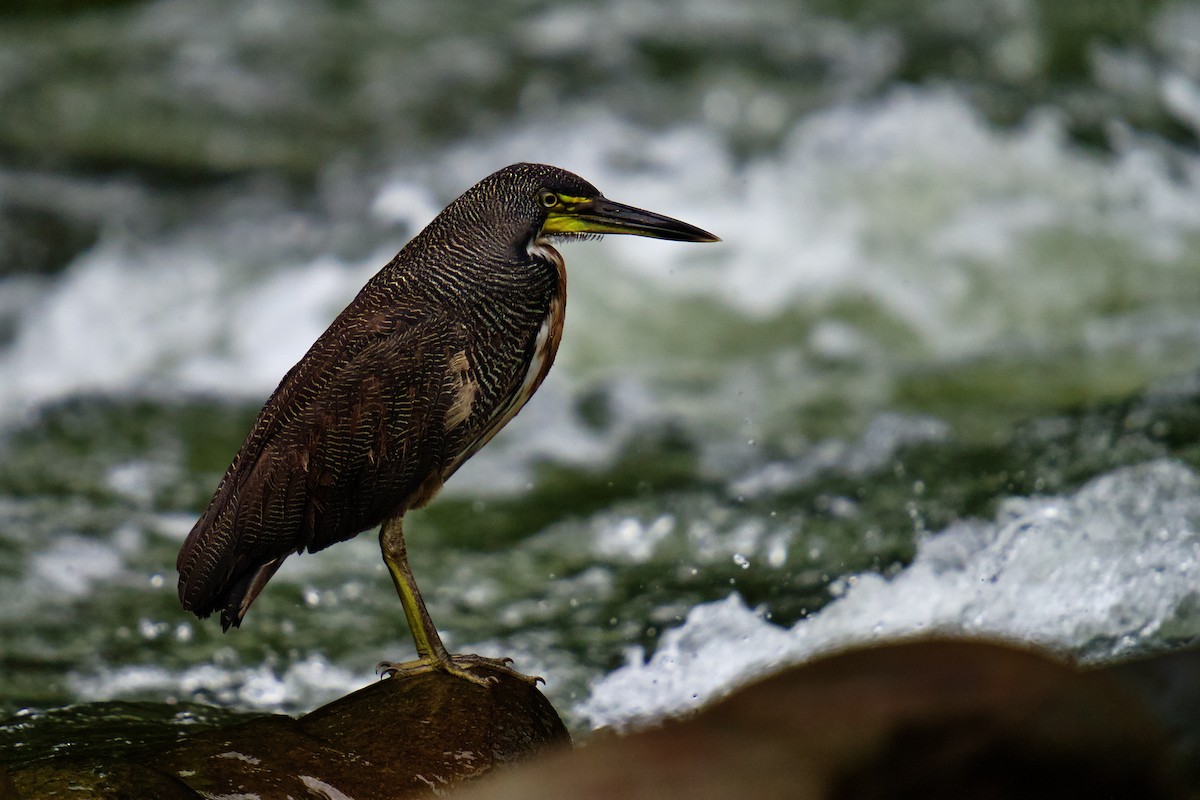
<point x="568" y="215"/>
<point x="564" y="217"/>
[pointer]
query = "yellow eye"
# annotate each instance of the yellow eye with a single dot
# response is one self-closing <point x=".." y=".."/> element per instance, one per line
<point x="549" y="199"/>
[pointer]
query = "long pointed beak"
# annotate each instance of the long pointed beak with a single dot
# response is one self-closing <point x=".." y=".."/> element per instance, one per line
<point x="601" y="215"/>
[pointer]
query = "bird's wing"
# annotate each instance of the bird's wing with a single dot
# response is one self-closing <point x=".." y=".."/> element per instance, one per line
<point x="351" y="432"/>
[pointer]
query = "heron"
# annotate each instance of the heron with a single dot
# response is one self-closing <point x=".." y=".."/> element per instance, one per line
<point x="438" y="351"/>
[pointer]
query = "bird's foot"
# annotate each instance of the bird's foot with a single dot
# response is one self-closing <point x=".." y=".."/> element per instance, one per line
<point x="457" y="665"/>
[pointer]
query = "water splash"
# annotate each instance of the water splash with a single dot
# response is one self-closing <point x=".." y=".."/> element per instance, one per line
<point x="1097" y="574"/>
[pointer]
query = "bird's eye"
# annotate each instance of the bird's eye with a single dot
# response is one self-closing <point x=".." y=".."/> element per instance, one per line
<point x="549" y="199"/>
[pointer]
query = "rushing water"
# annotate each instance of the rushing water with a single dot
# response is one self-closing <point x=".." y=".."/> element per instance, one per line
<point x="940" y="375"/>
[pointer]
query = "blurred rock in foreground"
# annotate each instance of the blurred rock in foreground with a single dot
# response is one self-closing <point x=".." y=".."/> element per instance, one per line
<point x="928" y="720"/>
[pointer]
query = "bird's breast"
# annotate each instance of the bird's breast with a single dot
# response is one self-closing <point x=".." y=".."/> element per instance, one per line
<point x="537" y="360"/>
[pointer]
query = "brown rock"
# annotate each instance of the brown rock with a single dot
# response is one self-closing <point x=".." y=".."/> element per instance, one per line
<point x="268" y="757"/>
<point x="933" y="719"/>
<point x="392" y="739"/>
<point x="451" y="729"/>
<point x="94" y="779"/>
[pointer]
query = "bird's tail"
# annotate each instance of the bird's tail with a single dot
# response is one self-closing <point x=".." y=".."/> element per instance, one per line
<point x="209" y="579"/>
<point x="202" y="563"/>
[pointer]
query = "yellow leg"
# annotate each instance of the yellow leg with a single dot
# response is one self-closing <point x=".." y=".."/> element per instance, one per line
<point x="431" y="653"/>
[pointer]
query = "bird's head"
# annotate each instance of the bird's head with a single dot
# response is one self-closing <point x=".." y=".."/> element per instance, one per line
<point x="539" y="202"/>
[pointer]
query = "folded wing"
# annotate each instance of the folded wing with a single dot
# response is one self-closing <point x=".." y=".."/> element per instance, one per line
<point x="351" y="435"/>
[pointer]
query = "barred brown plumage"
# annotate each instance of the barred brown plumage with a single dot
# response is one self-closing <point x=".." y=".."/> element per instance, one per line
<point x="439" y="350"/>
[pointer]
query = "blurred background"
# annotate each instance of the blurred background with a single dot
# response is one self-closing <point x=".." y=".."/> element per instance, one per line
<point x="940" y="376"/>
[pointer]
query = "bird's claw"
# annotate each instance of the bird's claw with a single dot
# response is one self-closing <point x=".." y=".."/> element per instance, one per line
<point x="458" y="666"/>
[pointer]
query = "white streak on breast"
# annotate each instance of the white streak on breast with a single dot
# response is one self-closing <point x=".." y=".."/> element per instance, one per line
<point x="540" y="249"/>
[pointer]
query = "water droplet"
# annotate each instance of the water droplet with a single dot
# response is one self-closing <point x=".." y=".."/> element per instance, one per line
<point x="741" y="560"/>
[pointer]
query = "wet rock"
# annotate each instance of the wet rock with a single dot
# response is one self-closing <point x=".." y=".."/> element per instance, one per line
<point x="392" y="739"/>
<point x="268" y="757"/>
<point x="933" y="719"/>
<point x="454" y="729"/>
<point x="95" y="779"/>
<point x="7" y="790"/>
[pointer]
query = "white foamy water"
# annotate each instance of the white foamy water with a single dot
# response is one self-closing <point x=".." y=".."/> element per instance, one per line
<point x="968" y="236"/>
<point x="301" y="686"/>
<point x="1097" y="574"/>
<point x="127" y="318"/>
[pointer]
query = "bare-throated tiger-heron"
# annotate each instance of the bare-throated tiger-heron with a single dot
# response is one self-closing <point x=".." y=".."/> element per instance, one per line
<point x="438" y="351"/>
